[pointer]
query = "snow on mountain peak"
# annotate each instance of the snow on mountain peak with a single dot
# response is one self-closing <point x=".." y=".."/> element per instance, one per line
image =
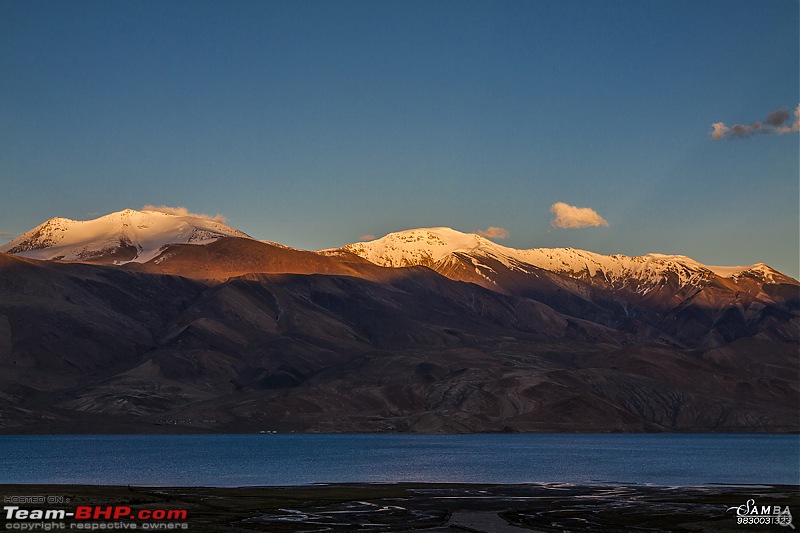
<point x="140" y="236"/>
<point x="429" y="246"/>
<point x="132" y="235"/>
<point x="423" y="246"/>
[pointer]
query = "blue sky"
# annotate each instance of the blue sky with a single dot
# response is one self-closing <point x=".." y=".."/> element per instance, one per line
<point x="314" y="123"/>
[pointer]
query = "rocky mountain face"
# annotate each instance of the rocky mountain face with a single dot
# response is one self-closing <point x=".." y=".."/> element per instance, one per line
<point x="240" y="335"/>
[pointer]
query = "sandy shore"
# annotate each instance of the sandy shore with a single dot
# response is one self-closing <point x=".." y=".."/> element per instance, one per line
<point x="417" y="507"/>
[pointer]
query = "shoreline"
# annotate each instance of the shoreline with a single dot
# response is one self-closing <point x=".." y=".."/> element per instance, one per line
<point x="433" y="507"/>
<point x="35" y="432"/>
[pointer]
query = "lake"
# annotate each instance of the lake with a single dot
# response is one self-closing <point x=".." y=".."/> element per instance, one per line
<point x="281" y="460"/>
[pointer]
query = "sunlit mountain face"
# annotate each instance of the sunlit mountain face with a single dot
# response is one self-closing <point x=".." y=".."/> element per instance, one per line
<point x="148" y="321"/>
<point x="116" y="238"/>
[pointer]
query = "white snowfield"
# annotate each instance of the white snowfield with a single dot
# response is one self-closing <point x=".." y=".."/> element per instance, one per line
<point x="429" y="246"/>
<point x="148" y="231"/>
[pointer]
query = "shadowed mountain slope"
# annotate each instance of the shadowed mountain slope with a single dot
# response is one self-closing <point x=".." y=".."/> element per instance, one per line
<point x="93" y="348"/>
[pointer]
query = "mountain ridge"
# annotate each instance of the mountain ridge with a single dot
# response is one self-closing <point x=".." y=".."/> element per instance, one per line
<point x="198" y="328"/>
<point x="141" y="236"/>
<point x="669" y="299"/>
<point x="428" y="246"/>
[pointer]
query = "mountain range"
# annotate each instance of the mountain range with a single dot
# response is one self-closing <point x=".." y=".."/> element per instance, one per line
<point x="148" y="321"/>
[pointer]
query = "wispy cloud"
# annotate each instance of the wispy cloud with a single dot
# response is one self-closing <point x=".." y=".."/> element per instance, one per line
<point x="776" y="123"/>
<point x="494" y="233"/>
<point x="7" y="234"/>
<point x="569" y="216"/>
<point x="367" y="237"/>
<point x="182" y="212"/>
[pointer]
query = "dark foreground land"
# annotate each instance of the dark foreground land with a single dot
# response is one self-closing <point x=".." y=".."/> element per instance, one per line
<point x="428" y="507"/>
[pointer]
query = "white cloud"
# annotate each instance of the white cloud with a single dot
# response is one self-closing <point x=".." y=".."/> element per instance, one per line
<point x="718" y="131"/>
<point x="795" y="127"/>
<point x="494" y="233"/>
<point x="182" y="212"/>
<point x="569" y="216"/>
<point x="367" y="237"/>
<point x="777" y="122"/>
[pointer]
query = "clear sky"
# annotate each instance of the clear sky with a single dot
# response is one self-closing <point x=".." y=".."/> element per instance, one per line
<point x="313" y="123"/>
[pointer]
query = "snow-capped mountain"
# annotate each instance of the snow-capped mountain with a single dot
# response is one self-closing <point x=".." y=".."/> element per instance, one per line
<point x="117" y="238"/>
<point x="239" y="334"/>
<point x="671" y="298"/>
<point x="141" y="236"/>
<point x="442" y="248"/>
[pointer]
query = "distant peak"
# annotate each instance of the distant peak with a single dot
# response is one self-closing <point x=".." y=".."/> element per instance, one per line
<point x="429" y="246"/>
<point x="419" y="246"/>
<point x="127" y="235"/>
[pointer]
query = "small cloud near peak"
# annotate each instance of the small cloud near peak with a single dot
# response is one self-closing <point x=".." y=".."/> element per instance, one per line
<point x="776" y="123"/>
<point x="183" y="212"/>
<point x="367" y="237"/>
<point x="569" y="216"/>
<point x="494" y="233"/>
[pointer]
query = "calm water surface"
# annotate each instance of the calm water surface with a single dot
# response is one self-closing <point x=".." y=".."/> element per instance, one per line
<point x="239" y="460"/>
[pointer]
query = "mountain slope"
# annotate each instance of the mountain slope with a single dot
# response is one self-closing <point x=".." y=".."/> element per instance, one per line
<point x="88" y="348"/>
<point x="116" y="238"/>
<point x="669" y="299"/>
<point x="230" y="257"/>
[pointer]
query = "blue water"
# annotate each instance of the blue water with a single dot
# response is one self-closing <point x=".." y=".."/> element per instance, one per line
<point x="240" y="460"/>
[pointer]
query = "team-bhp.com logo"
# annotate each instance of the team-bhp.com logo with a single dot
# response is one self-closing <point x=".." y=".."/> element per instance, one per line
<point x="94" y="517"/>
<point x="751" y="514"/>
